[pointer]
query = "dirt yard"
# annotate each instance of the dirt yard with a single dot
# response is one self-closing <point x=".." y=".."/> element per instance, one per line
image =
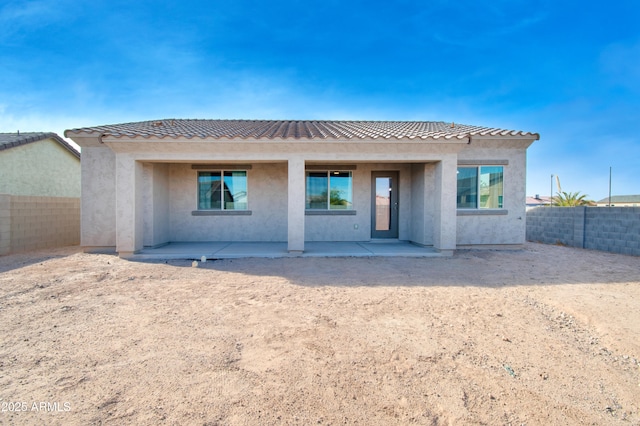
<point x="545" y="335"/>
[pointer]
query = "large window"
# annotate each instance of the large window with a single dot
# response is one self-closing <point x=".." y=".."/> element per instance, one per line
<point x="223" y="190"/>
<point x="331" y="190"/>
<point x="480" y="187"/>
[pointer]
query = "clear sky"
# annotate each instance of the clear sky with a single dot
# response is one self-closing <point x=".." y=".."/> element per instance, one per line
<point x="569" y="70"/>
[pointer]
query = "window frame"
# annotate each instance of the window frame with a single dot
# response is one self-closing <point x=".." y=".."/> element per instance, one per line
<point x="478" y="189"/>
<point x="328" y="173"/>
<point x="223" y="208"/>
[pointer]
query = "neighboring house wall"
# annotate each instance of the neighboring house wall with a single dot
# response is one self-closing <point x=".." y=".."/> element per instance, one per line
<point x="620" y="201"/>
<point x="30" y="223"/>
<point x="39" y="193"/>
<point x="613" y="229"/>
<point x="42" y="168"/>
<point x="632" y="204"/>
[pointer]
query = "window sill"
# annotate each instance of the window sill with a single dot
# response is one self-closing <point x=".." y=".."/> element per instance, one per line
<point x="330" y="212"/>
<point x="221" y="213"/>
<point x="483" y="212"/>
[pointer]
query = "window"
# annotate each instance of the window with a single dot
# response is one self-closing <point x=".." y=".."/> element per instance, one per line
<point x="480" y="187"/>
<point x="223" y="190"/>
<point x="330" y="190"/>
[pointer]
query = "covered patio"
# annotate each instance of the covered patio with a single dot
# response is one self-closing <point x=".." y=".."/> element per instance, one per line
<point x="236" y="250"/>
<point x="238" y="188"/>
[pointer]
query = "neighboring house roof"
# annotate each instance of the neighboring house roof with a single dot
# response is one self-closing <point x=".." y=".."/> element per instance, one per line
<point x="537" y="200"/>
<point x="304" y="129"/>
<point x="10" y="140"/>
<point x="621" y="199"/>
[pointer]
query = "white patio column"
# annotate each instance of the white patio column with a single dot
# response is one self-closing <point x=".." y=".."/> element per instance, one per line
<point x="296" y="205"/>
<point x="445" y="218"/>
<point x="128" y="205"/>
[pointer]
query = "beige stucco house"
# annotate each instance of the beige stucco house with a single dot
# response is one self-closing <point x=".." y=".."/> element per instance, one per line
<point x="435" y="184"/>
<point x="39" y="192"/>
<point x="38" y="164"/>
<point x="620" y="201"/>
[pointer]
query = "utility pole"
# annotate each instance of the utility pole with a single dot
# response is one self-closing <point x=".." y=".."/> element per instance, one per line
<point x="551" y="192"/>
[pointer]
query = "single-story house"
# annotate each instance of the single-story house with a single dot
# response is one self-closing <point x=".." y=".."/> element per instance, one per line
<point x="437" y="184"/>
<point x="38" y="164"/>
<point x="538" y="201"/>
<point x="620" y="201"/>
<point x="39" y="192"/>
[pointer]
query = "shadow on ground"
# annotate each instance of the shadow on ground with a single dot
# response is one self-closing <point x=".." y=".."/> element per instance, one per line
<point x="536" y="264"/>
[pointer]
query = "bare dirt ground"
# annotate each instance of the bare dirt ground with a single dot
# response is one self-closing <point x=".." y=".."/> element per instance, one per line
<point x="545" y="335"/>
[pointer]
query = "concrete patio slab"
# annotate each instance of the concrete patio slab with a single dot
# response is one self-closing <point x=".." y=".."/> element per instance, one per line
<point x="334" y="249"/>
<point x="234" y="250"/>
<point x="399" y="249"/>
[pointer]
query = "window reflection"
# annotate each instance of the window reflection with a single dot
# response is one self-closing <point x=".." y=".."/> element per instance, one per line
<point x="330" y="190"/>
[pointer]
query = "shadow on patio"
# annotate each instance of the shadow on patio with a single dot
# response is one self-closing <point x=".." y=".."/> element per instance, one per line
<point x="235" y="250"/>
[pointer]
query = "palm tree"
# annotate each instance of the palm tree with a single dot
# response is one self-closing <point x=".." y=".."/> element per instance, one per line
<point x="571" y="199"/>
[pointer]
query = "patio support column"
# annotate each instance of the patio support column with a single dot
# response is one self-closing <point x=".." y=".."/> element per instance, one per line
<point x="445" y="217"/>
<point x="295" y="205"/>
<point x="128" y="205"/>
<point x="421" y="225"/>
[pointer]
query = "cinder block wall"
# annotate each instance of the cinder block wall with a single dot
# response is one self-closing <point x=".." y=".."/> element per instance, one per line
<point x="29" y="223"/>
<point x="613" y="229"/>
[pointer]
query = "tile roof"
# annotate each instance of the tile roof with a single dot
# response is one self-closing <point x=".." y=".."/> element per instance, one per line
<point x="10" y="140"/>
<point x="537" y="200"/>
<point x="304" y="129"/>
<point x="621" y="199"/>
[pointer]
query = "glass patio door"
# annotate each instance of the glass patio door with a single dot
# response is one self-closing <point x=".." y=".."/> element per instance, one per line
<point x="384" y="205"/>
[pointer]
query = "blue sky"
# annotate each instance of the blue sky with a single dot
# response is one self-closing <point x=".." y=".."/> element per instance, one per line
<point x="568" y="70"/>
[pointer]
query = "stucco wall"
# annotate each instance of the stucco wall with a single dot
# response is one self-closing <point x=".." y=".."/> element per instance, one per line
<point x="479" y="228"/>
<point x="358" y="227"/>
<point x="156" y="202"/>
<point x="42" y="168"/>
<point x="267" y="198"/>
<point x="267" y="188"/>
<point x="422" y="203"/>
<point x="169" y="196"/>
<point x="162" y="201"/>
<point x="29" y="223"/>
<point x="98" y="223"/>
